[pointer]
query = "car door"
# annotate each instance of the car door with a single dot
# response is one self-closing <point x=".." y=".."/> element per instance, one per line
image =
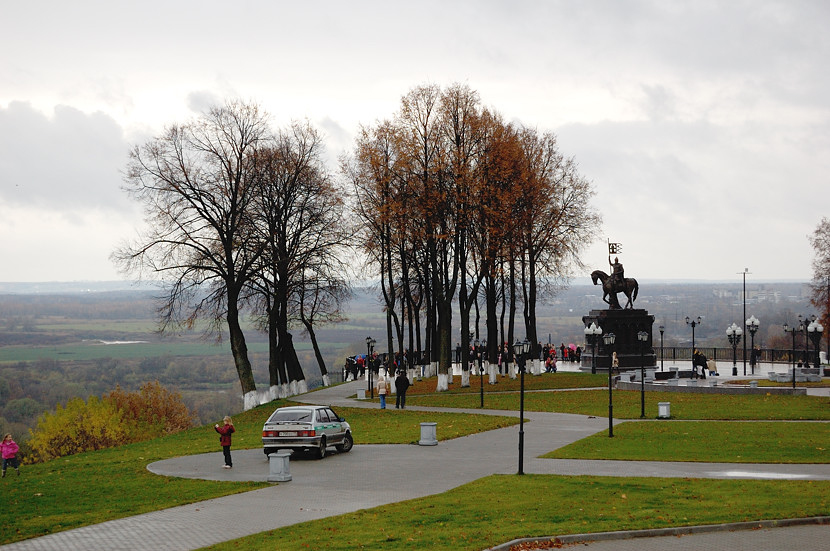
<point x="334" y="432"/>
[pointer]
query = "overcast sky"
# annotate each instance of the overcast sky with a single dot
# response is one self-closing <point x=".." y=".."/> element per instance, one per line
<point x="704" y="126"/>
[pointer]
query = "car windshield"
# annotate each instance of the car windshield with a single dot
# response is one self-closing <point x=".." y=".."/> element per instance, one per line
<point x="290" y="415"/>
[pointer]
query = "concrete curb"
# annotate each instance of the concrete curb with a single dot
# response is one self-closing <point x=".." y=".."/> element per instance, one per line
<point x="678" y="531"/>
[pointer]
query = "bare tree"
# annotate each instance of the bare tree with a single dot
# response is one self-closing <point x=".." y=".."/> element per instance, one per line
<point x="298" y="214"/>
<point x="193" y="183"/>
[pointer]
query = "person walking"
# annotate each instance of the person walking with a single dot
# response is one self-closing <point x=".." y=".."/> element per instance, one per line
<point x="225" y="432"/>
<point x="401" y="384"/>
<point x="9" y="452"/>
<point x="383" y="388"/>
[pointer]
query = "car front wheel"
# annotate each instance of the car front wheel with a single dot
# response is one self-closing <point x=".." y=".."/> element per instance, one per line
<point x="347" y="444"/>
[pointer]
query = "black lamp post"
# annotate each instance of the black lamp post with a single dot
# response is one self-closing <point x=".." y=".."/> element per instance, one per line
<point x="480" y="347"/>
<point x="733" y="333"/>
<point x="642" y="336"/>
<point x="752" y="325"/>
<point x="814" y="331"/>
<point x="370" y="344"/>
<point x="792" y="331"/>
<point x="592" y="333"/>
<point x="661" y="329"/>
<point x="693" y="323"/>
<point x="520" y="349"/>
<point x="609" y="343"/>
<point x="804" y="325"/>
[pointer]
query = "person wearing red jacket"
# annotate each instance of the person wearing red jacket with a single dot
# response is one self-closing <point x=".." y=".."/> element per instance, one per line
<point x="9" y="452"/>
<point x="225" y="439"/>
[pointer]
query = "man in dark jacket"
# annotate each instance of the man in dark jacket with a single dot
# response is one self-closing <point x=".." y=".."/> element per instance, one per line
<point x="401" y="384"/>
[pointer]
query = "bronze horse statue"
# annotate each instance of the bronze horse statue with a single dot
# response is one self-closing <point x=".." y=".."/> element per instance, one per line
<point x="629" y="286"/>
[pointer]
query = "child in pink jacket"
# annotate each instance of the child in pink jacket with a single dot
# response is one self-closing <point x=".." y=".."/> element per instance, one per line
<point x="9" y="451"/>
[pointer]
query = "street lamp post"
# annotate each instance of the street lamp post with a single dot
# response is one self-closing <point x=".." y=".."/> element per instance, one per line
<point x="521" y="349"/>
<point x="661" y="329"/>
<point x="746" y="271"/>
<point x="479" y="347"/>
<point x="792" y="331"/>
<point x="804" y="325"/>
<point x="592" y="333"/>
<point x="694" y="323"/>
<point x="752" y="325"/>
<point x="642" y="336"/>
<point x="814" y="331"/>
<point x="733" y="333"/>
<point x="609" y="343"/>
<point x="370" y="344"/>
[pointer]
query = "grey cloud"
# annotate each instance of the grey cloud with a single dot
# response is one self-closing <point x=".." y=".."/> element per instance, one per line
<point x="70" y="160"/>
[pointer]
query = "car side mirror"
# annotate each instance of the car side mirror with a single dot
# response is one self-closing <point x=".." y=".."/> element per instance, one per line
<point x="341" y="419"/>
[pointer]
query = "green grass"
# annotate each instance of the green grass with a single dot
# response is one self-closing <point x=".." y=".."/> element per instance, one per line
<point x="715" y="442"/>
<point x="626" y="404"/>
<point x="79" y="490"/>
<point x="500" y="508"/>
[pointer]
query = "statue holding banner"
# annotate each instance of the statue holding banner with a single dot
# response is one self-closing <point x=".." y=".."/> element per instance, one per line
<point x="616" y="282"/>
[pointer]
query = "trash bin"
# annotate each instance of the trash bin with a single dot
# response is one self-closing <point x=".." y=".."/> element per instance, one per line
<point x="663" y="410"/>
<point x="279" y="468"/>
<point x="361" y="394"/>
<point x="429" y="434"/>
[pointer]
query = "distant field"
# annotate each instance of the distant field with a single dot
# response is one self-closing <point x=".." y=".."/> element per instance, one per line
<point x="92" y="350"/>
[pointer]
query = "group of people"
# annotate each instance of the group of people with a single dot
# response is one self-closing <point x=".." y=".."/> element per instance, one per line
<point x="401" y="383"/>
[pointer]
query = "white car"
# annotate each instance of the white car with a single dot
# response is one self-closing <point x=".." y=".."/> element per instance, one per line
<point x="306" y="428"/>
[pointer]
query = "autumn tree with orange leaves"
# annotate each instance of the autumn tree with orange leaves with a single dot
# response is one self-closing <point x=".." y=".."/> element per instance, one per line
<point x="457" y="201"/>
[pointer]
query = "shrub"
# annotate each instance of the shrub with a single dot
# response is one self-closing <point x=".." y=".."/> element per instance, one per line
<point x="154" y="410"/>
<point x="78" y="427"/>
<point x="118" y="418"/>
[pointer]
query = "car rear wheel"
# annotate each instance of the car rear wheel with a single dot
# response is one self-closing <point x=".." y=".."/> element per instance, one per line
<point x="320" y="452"/>
<point x="347" y="444"/>
<point x="270" y="450"/>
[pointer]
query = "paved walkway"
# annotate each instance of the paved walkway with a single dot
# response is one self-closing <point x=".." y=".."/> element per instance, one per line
<point x="373" y="475"/>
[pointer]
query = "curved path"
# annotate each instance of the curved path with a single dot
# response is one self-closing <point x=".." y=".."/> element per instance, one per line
<point x="373" y="475"/>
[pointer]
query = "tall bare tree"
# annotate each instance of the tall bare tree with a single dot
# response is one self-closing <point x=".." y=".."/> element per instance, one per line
<point x="193" y="183"/>
<point x="298" y="217"/>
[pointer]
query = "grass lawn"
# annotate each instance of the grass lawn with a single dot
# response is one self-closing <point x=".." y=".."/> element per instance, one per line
<point x="500" y="508"/>
<point x="627" y="404"/>
<point x="714" y="442"/>
<point x="79" y="490"/>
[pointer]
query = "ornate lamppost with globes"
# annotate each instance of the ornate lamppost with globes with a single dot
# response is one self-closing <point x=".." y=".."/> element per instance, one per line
<point x="792" y="331"/>
<point x="521" y="349"/>
<point x="592" y="334"/>
<point x="480" y="347"/>
<point x="733" y="333"/>
<point x="752" y="325"/>
<point x="694" y="323"/>
<point x="804" y="325"/>
<point x="661" y="328"/>
<point x="642" y="336"/>
<point x="370" y="345"/>
<point x="814" y="331"/>
<point x="609" y="343"/>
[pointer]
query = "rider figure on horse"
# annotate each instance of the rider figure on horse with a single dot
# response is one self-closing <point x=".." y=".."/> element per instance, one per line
<point x="617" y="273"/>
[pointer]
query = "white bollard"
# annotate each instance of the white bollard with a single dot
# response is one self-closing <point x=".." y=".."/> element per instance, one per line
<point x="279" y="469"/>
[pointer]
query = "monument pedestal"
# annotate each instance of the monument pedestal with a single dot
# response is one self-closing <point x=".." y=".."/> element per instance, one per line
<point x="625" y="324"/>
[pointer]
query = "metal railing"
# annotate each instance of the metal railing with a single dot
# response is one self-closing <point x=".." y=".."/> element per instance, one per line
<point x="766" y="355"/>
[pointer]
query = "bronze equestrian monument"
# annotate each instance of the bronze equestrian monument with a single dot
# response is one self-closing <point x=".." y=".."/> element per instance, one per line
<point x="632" y="327"/>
